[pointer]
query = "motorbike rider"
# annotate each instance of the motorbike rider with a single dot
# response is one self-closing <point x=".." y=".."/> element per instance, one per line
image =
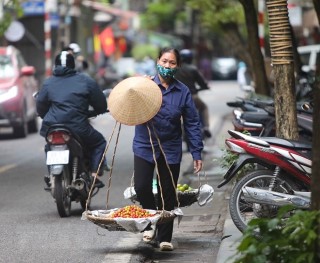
<point x="65" y="98"/>
<point x="82" y="65"/>
<point x="191" y="77"/>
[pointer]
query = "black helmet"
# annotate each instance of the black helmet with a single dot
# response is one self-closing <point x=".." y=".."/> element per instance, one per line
<point x="65" y="59"/>
<point x="186" y="55"/>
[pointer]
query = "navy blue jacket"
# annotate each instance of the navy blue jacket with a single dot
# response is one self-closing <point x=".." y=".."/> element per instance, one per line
<point x="65" y="98"/>
<point x="177" y="105"/>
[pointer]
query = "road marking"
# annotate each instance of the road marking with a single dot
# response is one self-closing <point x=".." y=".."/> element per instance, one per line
<point x="6" y="167"/>
<point x="124" y="243"/>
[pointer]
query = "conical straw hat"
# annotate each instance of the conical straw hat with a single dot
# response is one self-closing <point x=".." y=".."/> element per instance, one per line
<point x="135" y="100"/>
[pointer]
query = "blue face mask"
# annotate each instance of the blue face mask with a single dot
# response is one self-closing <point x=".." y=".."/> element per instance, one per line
<point x="166" y="73"/>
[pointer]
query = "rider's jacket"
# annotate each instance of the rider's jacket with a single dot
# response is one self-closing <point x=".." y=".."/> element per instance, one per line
<point x="65" y="98"/>
<point x="191" y="77"/>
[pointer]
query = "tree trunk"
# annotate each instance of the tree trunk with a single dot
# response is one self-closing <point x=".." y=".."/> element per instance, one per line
<point x="231" y="35"/>
<point x="285" y="102"/>
<point x="315" y="205"/>
<point x="315" y="177"/>
<point x="257" y="65"/>
<point x="282" y="61"/>
<point x="296" y="55"/>
<point x="316" y="4"/>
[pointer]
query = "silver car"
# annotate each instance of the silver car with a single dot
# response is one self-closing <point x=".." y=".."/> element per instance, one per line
<point x="224" y="68"/>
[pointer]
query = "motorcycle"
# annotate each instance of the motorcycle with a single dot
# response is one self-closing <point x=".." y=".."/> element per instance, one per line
<point x="279" y="174"/>
<point x="258" y="118"/>
<point x="254" y="115"/>
<point x="69" y="177"/>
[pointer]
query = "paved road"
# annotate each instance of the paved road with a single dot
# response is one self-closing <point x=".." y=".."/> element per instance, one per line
<point x="30" y="227"/>
<point x="32" y="231"/>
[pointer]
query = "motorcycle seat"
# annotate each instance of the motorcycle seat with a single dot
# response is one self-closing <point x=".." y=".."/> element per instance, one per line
<point x="288" y="143"/>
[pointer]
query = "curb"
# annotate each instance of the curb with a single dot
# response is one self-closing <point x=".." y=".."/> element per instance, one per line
<point x="230" y="241"/>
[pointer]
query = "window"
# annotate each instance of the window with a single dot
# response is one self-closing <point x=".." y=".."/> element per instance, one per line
<point x="6" y="67"/>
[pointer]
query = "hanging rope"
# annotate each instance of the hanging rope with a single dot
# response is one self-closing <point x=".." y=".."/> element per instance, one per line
<point x="165" y="158"/>
<point x="156" y="165"/>
<point x="112" y="162"/>
<point x="280" y="37"/>
<point x="172" y="180"/>
<point x="101" y="163"/>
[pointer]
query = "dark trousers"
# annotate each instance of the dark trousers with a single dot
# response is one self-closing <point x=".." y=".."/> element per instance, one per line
<point x="95" y="144"/>
<point x="144" y="172"/>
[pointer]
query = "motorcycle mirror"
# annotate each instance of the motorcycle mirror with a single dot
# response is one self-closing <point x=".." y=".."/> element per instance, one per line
<point x="306" y="106"/>
<point x="35" y="95"/>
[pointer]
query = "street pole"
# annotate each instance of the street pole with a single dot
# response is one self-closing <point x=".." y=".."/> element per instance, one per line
<point x="47" y="39"/>
<point x="261" y="25"/>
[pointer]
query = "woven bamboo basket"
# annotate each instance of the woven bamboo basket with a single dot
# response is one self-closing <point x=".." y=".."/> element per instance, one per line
<point x="187" y="198"/>
<point x="105" y="220"/>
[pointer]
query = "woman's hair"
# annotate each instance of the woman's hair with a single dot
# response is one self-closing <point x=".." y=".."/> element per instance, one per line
<point x="171" y="50"/>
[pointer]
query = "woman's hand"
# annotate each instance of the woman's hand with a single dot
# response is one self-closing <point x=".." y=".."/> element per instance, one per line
<point x="197" y="166"/>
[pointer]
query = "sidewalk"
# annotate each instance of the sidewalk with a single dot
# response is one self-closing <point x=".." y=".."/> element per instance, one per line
<point x="230" y="235"/>
<point x="205" y="234"/>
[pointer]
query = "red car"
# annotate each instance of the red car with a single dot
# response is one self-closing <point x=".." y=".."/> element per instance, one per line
<point x="17" y="86"/>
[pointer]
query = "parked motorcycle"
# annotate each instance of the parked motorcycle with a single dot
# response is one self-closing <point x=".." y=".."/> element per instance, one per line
<point x="258" y="118"/>
<point x="254" y="115"/>
<point x="304" y="82"/>
<point x="69" y="177"/>
<point x="250" y="104"/>
<point x="279" y="174"/>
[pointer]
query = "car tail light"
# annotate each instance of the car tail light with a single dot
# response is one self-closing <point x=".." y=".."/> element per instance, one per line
<point x="58" y="137"/>
<point x="9" y="94"/>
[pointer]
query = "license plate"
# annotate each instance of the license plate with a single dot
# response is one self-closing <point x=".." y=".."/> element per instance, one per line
<point x="57" y="157"/>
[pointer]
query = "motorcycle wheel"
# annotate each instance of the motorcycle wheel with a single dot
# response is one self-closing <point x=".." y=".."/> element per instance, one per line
<point x="62" y="196"/>
<point x="242" y="211"/>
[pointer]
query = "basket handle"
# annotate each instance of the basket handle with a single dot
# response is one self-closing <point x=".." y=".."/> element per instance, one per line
<point x="199" y="181"/>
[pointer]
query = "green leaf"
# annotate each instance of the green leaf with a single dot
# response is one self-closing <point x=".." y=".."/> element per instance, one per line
<point x="282" y="239"/>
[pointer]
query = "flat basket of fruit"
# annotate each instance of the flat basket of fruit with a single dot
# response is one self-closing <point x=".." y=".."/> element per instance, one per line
<point x="130" y="218"/>
<point x="187" y="196"/>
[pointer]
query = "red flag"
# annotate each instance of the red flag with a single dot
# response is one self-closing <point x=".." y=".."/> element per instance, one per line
<point x="107" y="41"/>
<point x="122" y="44"/>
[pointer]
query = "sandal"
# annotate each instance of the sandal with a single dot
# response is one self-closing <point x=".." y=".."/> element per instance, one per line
<point x="148" y="235"/>
<point x="166" y="246"/>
